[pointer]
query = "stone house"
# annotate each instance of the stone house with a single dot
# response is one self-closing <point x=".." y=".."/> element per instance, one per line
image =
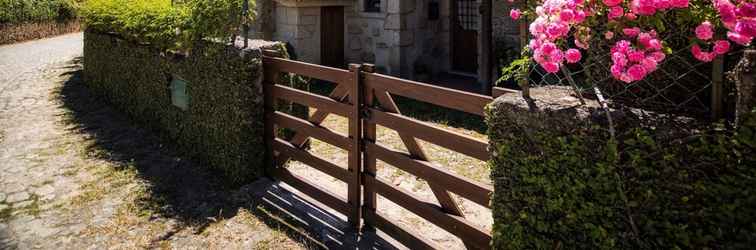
<point x="414" y="39"/>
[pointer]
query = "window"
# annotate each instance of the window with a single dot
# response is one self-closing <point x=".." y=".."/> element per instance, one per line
<point x="372" y="5"/>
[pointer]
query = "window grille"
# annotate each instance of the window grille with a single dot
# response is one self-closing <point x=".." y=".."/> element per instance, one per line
<point x="467" y="14"/>
<point x="372" y="5"/>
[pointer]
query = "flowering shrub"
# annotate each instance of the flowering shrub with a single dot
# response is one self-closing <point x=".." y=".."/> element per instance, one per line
<point x="561" y="27"/>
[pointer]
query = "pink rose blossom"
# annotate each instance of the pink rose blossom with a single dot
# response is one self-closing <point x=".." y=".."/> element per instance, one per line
<point x="566" y="15"/>
<point x="701" y="55"/>
<point x="680" y="3"/>
<point x="739" y="38"/>
<point x="573" y="55"/>
<point x="631" y="32"/>
<point x="704" y="31"/>
<point x="550" y="67"/>
<point x="514" y="14"/>
<point x="746" y="27"/>
<point x="658" y="56"/>
<point x="649" y="64"/>
<point x="609" y="35"/>
<point x="616" y="12"/>
<point x="637" y="72"/>
<point x="721" y="47"/>
<point x="611" y="3"/>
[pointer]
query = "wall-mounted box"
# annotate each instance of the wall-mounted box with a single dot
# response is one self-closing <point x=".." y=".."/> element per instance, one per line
<point x="179" y="93"/>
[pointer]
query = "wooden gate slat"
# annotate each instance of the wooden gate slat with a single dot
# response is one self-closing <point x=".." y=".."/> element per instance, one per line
<point x="304" y="127"/>
<point x="449" y="139"/>
<point x="445" y="97"/>
<point x="443" y="196"/>
<point x="307" y="69"/>
<point x="407" y="236"/>
<point x="469" y="189"/>
<point x="290" y="151"/>
<point x="457" y="225"/>
<point x="305" y="98"/>
<point x="310" y="189"/>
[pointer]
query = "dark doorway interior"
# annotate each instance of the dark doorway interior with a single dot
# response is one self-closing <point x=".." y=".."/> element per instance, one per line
<point x="332" y="36"/>
<point x="465" y="23"/>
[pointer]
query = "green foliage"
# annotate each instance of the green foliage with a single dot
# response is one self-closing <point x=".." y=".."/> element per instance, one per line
<point x="518" y="69"/>
<point x="223" y="126"/>
<point x="22" y="11"/>
<point x="562" y="183"/>
<point x="166" y="25"/>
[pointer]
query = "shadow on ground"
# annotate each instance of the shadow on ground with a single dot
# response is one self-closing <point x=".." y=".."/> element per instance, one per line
<point x="187" y="192"/>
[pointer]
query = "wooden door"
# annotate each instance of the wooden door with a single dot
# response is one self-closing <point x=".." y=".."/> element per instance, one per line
<point x="465" y="23"/>
<point x="332" y="36"/>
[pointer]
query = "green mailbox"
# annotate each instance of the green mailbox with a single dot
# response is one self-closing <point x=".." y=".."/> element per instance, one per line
<point x="179" y="94"/>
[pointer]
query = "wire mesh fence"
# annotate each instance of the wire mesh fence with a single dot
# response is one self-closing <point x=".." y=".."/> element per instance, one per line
<point x="681" y="85"/>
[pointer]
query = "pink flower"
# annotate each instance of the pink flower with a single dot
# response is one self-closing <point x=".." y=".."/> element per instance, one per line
<point x="658" y="56"/>
<point x="619" y="59"/>
<point x="704" y="31"/>
<point x="721" y="47"/>
<point x="573" y="55"/>
<point x="643" y="7"/>
<point x="566" y="15"/>
<point x="631" y="32"/>
<point x="700" y="55"/>
<point x="746" y="27"/>
<point x="680" y="3"/>
<point x="579" y="16"/>
<point x="739" y="38"/>
<point x="616" y="70"/>
<point x="637" y="72"/>
<point x="550" y="67"/>
<point x="631" y="16"/>
<point x="649" y="64"/>
<point x="611" y="3"/>
<point x="609" y="35"/>
<point x="636" y="56"/>
<point x="616" y="12"/>
<point x="654" y="44"/>
<point x="726" y="11"/>
<point x="514" y="14"/>
<point x="747" y="10"/>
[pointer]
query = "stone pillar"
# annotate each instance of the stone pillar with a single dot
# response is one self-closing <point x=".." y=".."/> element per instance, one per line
<point x="744" y="76"/>
<point x="300" y="27"/>
<point x="402" y="24"/>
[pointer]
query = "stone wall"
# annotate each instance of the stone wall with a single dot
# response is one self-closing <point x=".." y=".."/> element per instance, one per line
<point x="300" y="27"/>
<point x="506" y="31"/>
<point x="400" y="37"/>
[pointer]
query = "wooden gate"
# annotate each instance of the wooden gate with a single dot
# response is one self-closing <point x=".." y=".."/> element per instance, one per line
<point x="365" y="98"/>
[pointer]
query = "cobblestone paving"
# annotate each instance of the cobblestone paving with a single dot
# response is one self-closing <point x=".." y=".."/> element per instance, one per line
<point x="76" y="175"/>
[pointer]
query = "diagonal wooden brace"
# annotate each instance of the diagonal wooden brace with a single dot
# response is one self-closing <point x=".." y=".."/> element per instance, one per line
<point x="444" y="197"/>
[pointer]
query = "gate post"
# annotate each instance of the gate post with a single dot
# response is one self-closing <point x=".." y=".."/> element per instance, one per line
<point x="271" y="77"/>
<point x="355" y="152"/>
<point x="369" y="160"/>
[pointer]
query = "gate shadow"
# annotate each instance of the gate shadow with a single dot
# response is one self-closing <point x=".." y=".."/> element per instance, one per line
<point x="187" y="192"/>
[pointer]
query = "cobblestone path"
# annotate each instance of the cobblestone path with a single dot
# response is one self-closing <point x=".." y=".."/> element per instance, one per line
<point x="74" y="174"/>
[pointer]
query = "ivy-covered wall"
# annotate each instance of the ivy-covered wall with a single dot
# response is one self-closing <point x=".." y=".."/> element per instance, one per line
<point x="561" y="182"/>
<point x="223" y="125"/>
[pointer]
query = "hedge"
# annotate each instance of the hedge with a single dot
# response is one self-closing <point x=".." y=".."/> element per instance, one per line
<point x="223" y="125"/>
<point x="164" y="24"/>
<point x="25" y="11"/>
<point x="561" y="182"/>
